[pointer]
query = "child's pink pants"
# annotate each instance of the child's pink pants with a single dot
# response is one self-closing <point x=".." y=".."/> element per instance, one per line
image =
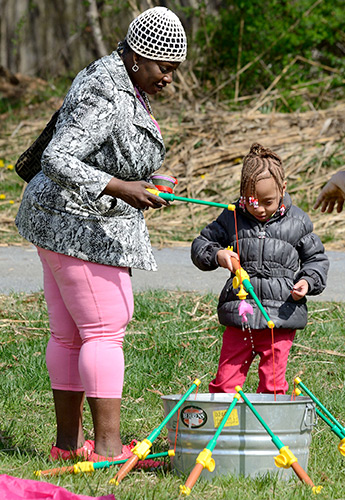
<point x="89" y="307"/>
<point x="238" y="352"/>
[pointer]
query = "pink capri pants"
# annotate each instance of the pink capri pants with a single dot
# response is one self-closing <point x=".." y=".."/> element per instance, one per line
<point x="89" y="308"/>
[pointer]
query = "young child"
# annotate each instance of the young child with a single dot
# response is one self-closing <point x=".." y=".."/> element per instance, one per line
<point x="284" y="260"/>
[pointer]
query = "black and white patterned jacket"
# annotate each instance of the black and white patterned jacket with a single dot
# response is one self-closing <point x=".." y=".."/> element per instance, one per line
<point x="103" y="131"/>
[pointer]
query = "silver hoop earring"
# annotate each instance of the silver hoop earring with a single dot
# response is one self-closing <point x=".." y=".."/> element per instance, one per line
<point x="135" y="67"/>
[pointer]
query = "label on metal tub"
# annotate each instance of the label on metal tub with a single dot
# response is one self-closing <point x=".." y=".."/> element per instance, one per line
<point x="193" y="417"/>
<point x="232" y="419"/>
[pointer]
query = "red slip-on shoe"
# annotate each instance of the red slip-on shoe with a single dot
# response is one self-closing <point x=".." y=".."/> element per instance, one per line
<point x="83" y="452"/>
<point x="126" y="453"/>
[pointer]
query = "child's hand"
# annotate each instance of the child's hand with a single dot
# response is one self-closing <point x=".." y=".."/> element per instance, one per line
<point x="224" y="258"/>
<point x="299" y="289"/>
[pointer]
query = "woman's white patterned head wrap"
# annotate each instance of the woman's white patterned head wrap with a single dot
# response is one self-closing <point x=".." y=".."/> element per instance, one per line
<point x="158" y="34"/>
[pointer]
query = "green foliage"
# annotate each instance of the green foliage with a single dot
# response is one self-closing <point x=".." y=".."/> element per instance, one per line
<point x="274" y="33"/>
<point x="260" y="39"/>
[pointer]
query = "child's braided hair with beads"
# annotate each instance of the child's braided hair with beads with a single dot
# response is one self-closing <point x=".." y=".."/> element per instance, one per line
<point x="258" y="161"/>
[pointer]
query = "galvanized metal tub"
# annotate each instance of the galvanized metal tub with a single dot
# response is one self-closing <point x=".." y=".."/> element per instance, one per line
<point x="244" y="447"/>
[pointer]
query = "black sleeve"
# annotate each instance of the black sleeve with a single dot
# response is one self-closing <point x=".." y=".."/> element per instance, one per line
<point x="314" y="263"/>
<point x="212" y="238"/>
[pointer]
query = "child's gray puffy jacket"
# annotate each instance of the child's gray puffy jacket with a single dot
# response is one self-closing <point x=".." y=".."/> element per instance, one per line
<point x="276" y="254"/>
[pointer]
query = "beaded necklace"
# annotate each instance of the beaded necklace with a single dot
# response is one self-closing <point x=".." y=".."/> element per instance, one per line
<point x="142" y="96"/>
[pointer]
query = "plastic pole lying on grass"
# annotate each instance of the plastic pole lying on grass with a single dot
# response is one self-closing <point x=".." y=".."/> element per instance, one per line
<point x="142" y="449"/>
<point x="285" y="458"/>
<point x="173" y="197"/>
<point x="337" y="428"/>
<point x="242" y="277"/>
<point x="305" y="389"/>
<point x="80" y="467"/>
<point x="204" y="459"/>
<point x="333" y="427"/>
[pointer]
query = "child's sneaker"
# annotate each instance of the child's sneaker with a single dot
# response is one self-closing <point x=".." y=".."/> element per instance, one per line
<point x="83" y="452"/>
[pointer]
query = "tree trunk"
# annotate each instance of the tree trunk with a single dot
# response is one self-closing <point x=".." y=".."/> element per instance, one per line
<point x="51" y="37"/>
<point x="93" y="17"/>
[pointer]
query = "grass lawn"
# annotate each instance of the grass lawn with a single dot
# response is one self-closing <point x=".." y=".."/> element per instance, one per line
<point x="173" y="339"/>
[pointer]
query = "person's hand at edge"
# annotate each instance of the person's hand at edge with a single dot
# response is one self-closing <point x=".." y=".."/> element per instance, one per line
<point x="332" y="194"/>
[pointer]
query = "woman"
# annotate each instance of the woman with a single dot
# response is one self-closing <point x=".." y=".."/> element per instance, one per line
<point x="83" y="211"/>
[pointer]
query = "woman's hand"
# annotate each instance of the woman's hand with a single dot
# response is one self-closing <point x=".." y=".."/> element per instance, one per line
<point x="134" y="193"/>
<point x="224" y="258"/>
<point x="299" y="289"/>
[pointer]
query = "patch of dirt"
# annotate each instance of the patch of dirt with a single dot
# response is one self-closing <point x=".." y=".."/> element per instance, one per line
<point x="19" y="87"/>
